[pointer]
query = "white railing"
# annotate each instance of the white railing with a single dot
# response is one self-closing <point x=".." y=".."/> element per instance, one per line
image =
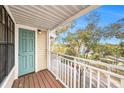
<point x="76" y="72"/>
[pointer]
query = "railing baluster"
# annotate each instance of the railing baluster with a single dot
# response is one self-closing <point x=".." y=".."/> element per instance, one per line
<point x="75" y="72"/>
<point x="71" y="75"/>
<point x="60" y="68"/>
<point x="90" y="78"/>
<point x="68" y="74"/>
<point x="108" y="79"/>
<point x="98" y="79"/>
<point x="84" y="77"/>
<point x="78" y="76"/>
<point x="122" y="83"/>
<point x="65" y="71"/>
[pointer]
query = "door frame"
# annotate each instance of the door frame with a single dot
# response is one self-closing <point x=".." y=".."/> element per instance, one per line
<point x="17" y="47"/>
<point x="30" y="69"/>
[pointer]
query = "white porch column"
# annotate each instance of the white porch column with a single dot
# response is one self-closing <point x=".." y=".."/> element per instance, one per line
<point x="48" y="50"/>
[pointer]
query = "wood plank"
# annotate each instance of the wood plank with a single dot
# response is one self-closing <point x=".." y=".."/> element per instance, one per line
<point x="16" y="83"/>
<point x="46" y="83"/>
<point x="21" y="82"/>
<point x="54" y="80"/>
<point x="49" y="79"/>
<point x="42" y="79"/>
<point x="41" y="83"/>
<point x="26" y="83"/>
<point x="31" y="82"/>
<point x="36" y="83"/>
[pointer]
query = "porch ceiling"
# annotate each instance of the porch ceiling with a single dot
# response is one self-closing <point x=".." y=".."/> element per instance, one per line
<point x="44" y="16"/>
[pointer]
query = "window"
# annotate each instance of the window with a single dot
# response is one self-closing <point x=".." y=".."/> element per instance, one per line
<point x="6" y="43"/>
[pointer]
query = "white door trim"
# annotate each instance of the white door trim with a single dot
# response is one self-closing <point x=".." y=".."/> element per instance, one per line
<point x="17" y="26"/>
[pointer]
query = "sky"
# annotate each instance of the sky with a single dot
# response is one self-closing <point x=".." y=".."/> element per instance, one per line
<point x="108" y="14"/>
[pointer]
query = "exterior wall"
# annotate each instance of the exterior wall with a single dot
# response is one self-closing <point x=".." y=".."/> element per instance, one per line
<point x="42" y="50"/>
<point x="8" y="81"/>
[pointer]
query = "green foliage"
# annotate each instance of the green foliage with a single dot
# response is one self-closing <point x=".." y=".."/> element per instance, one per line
<point x="58" y="48"/>
<point x="89" y="37"/>
<point x="64" y="28"/>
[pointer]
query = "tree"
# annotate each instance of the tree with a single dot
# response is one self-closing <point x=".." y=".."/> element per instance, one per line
<point x="88" y="36"/>
<point x="56" y="44"/>
<point x="121" y="50"/>
<point x="73" y="43"/>
<point x="116" y="30"/>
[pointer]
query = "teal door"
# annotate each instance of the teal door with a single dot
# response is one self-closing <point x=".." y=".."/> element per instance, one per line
<point x="26" y="51"/>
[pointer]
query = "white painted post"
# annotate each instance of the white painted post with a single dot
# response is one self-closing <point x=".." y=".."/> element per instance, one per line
<point x="79" y="76"/>
<point x="68" y="74"/>
<point x="60" y="68"/>
<point x="90" y="78"/>
<point x="108" y="85"/>
<point x="65" y="71"/>
<point x="98" y="79"/>
<point x="109" y="78"/>
<point x="75" y="73"/>
<point x="71" y="74"/>
<point x="84" y="77"/>
<point x="122" y="83"/>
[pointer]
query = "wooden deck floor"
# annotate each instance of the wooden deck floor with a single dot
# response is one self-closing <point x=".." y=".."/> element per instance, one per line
<point x="42" y="79"/>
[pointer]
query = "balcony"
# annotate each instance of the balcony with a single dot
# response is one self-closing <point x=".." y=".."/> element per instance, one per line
<point x="73" y="72"/>
<point x="29" y="62"/>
